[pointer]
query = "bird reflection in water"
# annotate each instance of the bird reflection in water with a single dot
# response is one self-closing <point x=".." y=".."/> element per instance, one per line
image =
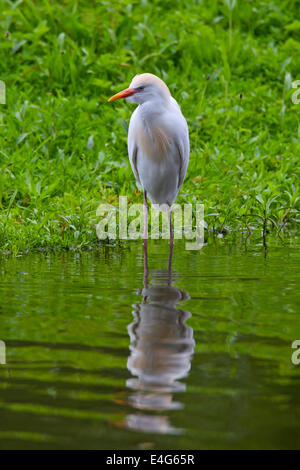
<point x="160" y="351"/>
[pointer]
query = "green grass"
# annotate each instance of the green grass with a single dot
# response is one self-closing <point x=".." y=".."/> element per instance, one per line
<point x="230" y="65"/>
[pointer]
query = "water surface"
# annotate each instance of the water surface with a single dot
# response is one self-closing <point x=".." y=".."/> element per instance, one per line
<point x="102" y="353"/>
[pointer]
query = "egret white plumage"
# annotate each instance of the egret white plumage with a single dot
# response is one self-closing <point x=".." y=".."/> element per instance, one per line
<point x="158" y="142"/>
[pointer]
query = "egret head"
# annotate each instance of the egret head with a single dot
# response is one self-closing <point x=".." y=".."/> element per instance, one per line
<point x="143" y="88"/>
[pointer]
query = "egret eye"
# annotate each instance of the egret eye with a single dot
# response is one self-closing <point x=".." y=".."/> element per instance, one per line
<point x="141" y="88"/>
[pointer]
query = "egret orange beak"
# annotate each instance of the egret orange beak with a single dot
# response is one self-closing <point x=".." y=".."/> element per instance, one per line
<point x="123" y="94"/>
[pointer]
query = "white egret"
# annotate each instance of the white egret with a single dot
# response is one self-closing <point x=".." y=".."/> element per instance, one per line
<point x="158" y="142"/>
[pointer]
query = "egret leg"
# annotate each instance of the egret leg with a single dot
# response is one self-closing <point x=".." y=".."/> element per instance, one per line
<point x="170" y="227"/>
<point x="170" y="266"/>
<point x="146" y="272"/>
<point x="146" y="210"/>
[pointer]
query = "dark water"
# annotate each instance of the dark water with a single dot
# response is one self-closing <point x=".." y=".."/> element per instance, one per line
<point x="101" y="354"/>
